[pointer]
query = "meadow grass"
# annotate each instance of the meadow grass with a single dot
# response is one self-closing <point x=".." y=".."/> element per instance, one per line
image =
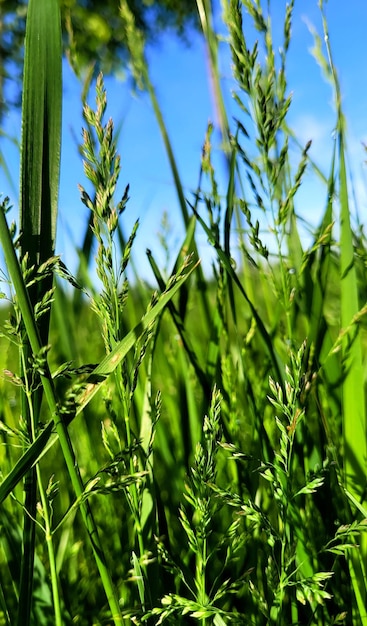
<point x="197" y="453"/>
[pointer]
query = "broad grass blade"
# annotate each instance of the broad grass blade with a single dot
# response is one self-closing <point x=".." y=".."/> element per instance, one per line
<point x="354" y="411"/>
<point x="39" y="181"/>
<point x="353" y="394"/>
<point x="353" y="385"/>
<point x="41" y="130"/>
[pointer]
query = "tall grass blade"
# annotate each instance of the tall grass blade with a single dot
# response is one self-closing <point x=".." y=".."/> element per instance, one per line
<point x="354" y="411"/>
<point x="41" y="130"/>
<point x="353" y="394"/>
<point x="59" y="424"/>
<point x="353" y="390"/>
<point x="96" y="378"/>
<point x="205" y="12"/>
<point x="39" y="180"/>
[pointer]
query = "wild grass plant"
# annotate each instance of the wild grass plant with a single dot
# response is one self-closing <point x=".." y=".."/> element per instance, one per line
<point x="196" y="454"/>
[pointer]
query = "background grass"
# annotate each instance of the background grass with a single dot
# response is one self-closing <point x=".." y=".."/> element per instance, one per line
<point x="206" y="441"/>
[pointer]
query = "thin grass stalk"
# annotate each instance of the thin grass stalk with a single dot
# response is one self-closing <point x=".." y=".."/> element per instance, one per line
<point x="136" y="46"/>
<point x="50" y="549"/>
<point x="45" y="513"/>
<point x="95" y="380"/>
<point x="275" y="360"/>
<point x="205" y="12"/>
<point x="59" y="424"/>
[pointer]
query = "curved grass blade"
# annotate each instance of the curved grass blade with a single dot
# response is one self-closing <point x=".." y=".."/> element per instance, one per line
<point x="353" y="394"/>
<point x="96" y="378"/>
<point x="58" y="423"/>
<point x="354" y="410"/>
<point x="176" y="314"/>
<point x="114" y="358"/>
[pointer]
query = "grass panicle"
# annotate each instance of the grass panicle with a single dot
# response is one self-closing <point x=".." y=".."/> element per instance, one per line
<point x="256" y="513"/>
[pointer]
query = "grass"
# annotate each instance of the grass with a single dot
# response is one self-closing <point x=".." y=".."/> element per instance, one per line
<point x="194" y="454"/>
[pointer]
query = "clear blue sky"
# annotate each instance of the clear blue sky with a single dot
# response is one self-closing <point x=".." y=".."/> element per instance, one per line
<point x="181" y="77"/>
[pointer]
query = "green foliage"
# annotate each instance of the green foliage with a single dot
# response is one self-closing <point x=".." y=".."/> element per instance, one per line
<point x="199" y="442"/>
<point x="94" y="34"/>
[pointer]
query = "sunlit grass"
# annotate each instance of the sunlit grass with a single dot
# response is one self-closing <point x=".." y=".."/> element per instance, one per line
<point x="202" y="442"/>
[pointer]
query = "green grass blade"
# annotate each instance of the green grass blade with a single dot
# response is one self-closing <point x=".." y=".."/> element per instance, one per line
<point x="354" y="410"/>
<point x="205" y="12"/>
<point x="276" y="363"/>
<point x="230" y="201"/>
<point x="41" y="130"/>
<point x="61" y="429"/>
<point x="180" y="325"/>
<point x="354" y="418"/>
<point x="353" y="394"/>
<point x="18" y="285"/>
<point x="39" y="181"/>
<point x="354" y="413"/>
<point x="114" y="358"/>
<point x="97" y="377"/>
<point x="25" y="462"/>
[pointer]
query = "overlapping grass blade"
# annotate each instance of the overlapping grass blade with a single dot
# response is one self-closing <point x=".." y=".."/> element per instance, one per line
<point x="39" y="180"/>
<point x="95" y="379"/>
<point x="275" y="360"/>
<point x="61" y="429"/>
<point x="25" y="462"/>
<point x="354" y="417"/>
<point x="353" y="393"/>
<point x="114" y="358"/>
<point x="354" y="411"/>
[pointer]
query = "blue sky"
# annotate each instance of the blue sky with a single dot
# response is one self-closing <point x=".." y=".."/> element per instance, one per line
<point x="180" y="75"/>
